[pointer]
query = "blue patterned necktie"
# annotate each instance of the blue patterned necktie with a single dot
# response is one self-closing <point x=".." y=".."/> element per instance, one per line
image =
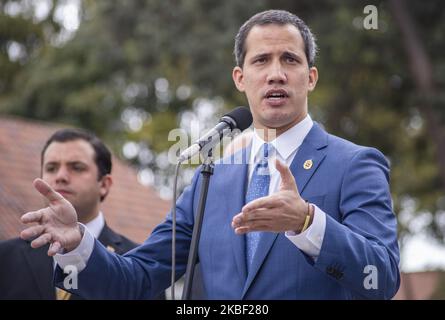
<point x="258" y="187"/>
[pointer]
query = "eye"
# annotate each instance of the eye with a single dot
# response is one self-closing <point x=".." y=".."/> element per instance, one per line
<point x="290" y="59"/>
<point x="50" y="168"/>
<point x="78" y="167"/>
<point x="260" y="60"/>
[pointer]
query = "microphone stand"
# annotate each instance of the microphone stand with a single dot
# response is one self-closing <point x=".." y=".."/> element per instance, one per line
<point x="206" y="171"/>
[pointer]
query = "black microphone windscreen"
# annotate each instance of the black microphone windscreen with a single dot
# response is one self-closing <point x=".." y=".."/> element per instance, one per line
<point x="241" y="116"/>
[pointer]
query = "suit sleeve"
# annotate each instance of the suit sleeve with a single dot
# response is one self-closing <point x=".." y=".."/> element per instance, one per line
<point x="361" y="250"/>
<point x="144" y="272"/>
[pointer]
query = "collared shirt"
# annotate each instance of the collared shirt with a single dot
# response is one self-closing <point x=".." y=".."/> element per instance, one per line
<point x="96" y="225"/>
<point x="285" y="147"/>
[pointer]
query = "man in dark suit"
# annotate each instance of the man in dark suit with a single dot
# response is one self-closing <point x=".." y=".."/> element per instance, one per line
<point x="27" y="273"/>
<point x="78" y="165"/>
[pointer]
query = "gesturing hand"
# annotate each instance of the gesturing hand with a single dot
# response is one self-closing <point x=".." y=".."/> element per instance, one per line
<point x="56" y="224"/>
<point x="279" y="212"/>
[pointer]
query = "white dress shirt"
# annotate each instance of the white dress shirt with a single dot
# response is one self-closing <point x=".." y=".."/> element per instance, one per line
<point x="96" y="225"/>
<point x="285" y="147"/>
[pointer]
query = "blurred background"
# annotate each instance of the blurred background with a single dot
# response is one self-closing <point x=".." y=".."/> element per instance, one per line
<point x="131" y="71"/>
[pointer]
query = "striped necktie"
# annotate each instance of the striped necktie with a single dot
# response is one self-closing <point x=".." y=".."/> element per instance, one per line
<point x="258" y="187"/>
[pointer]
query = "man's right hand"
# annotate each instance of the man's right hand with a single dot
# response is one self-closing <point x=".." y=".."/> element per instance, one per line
<point x="56" y="224"/>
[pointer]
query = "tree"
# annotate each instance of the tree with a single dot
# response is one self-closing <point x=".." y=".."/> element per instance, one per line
<point x="20" y="39"/>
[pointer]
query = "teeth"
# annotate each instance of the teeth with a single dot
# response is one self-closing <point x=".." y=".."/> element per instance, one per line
<point x="276" y="95"/>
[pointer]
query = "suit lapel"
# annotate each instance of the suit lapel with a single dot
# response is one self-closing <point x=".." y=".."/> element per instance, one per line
<point x="234" y="201"/>
<point x="266" y="241"/>
<point x="312" y="148"/>
<point x="41" y="267"/>
<point x="111" y="240"/>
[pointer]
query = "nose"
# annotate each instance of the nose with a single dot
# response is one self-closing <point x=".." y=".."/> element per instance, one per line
<point x="276" y="74"/>
<point x="62" y="175"/>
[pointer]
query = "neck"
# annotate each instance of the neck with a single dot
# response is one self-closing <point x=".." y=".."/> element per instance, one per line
<point x="269" y="134"/>
<point x="84" y="219"/>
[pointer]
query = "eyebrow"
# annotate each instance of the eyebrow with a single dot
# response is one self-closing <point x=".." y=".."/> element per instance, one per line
<point x="291" y="55"/>
<point x="258" y="56"/>
<point x="69" y="162"/>
<point x="285" y="54"/>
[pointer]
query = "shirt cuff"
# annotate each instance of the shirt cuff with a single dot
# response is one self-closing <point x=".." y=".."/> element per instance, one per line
<point x="78" y="258"/>
<point x="311" y="239"/>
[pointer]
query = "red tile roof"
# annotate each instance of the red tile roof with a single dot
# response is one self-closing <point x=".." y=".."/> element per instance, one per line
<point x="131" y="208"/>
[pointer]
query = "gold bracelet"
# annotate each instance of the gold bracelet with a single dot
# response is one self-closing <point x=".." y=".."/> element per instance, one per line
<point x="307" y="219"/>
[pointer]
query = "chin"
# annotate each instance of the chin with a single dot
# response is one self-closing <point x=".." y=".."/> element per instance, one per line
<point x="277" y="119"/>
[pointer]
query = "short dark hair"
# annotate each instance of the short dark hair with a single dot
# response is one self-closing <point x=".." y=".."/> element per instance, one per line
<point x="102" y="156"/>
<point x="279" y="17"/>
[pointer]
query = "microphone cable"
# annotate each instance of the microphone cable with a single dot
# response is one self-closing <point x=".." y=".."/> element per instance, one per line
<point x="175" y="185"/>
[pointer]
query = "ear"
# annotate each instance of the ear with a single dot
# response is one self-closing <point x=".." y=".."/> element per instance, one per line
<point x="238" y="78"/>
<point x="105" y="184"/>
<point x="313" y="78"/>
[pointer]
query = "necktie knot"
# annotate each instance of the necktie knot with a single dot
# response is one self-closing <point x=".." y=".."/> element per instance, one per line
<point x="266" y="149"/>
<point x="263" y="166"/>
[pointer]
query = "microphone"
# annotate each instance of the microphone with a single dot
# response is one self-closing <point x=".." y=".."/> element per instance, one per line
<point x="239" y="118"/>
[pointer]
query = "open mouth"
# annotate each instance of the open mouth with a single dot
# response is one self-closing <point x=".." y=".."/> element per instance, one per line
<point x="276" y="95"/>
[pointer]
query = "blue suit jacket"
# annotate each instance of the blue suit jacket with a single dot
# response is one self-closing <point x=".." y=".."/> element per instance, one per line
<point x="348" y="182"/>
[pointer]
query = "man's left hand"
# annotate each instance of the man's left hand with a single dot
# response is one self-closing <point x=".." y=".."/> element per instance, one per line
<point x="279" y="212"/>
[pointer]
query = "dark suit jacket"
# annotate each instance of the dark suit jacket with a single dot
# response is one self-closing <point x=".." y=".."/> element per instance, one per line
<point x="27" y="273"/>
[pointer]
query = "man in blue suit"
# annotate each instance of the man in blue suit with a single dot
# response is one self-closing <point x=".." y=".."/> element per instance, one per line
<point x="307" y="216"/>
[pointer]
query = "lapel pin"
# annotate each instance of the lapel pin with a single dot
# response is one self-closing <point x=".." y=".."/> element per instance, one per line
<point x="111" y="249"/>
<point x="308" y="164"/>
